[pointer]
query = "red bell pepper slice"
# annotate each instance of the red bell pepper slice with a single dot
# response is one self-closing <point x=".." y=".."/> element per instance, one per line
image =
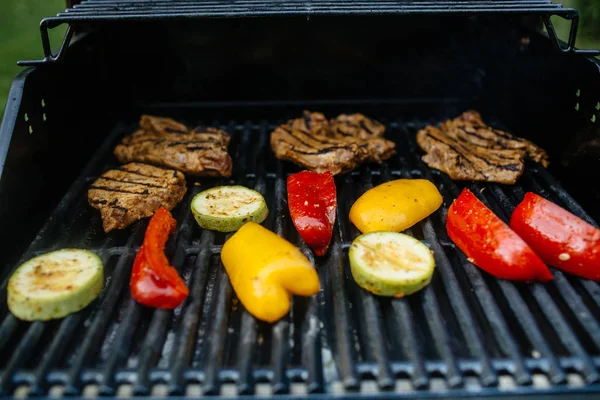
<point x="154" y="282"/>
<point x="560" y="238"/>
<point x="490" y="244"/>
<point x="312" y="204"/>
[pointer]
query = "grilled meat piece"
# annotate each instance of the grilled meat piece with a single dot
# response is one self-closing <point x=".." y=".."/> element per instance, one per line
<point x="339" y="145"/>
<point x="467" y="149"/>
<point x="164" y="142"/>
<point x="135" y="191"/>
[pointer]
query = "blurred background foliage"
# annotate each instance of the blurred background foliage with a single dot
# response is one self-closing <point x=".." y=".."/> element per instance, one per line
<point x="20" y="35"/>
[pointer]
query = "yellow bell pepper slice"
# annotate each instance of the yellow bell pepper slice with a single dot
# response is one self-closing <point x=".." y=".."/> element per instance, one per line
<point x="395" y="206"/>
<point x="265" y="270"/>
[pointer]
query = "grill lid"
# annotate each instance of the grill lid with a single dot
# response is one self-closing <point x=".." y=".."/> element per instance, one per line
<point x="92" y="12"/>
<point x="464" y="332"/>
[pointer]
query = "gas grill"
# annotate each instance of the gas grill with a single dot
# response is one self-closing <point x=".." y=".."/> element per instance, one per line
<point x="246" y="66"/>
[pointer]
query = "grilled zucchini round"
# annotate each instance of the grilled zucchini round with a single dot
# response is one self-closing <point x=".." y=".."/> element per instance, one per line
<point x="55" y="284"/>
<point x="390" y="263"/>
<point x="227" y="208"/>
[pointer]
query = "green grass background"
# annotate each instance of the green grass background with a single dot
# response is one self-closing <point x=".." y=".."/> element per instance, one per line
<point x="20" y="34"/>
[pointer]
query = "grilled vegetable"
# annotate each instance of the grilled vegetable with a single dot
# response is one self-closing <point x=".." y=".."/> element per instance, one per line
<point x="154" y="282"/>
<point x="490" y="244"/>
<point x="390" y="263"/>
<point x="560" y="238"/>
<point x="312" y="203"/>
<point x="227" y="208"/>
<point x="265" y="270"/>
<point x="55" y="284"/>
<point x="395" y="206"/>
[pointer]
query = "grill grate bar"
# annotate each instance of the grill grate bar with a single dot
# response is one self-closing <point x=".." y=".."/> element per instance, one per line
<point x="564" y="332"/>
<point x="578" y="308"/>
<point x="441" y="338"/>
<point x="6" y="329"/>
<point x="100" y="322"/>
<point x="311" y="346"/>
<point x="246" y="354"/>
<point x="343" y="338"/>
<point x="21" y="354"/>
<point x="122" y="345"/>
<point x="191" y="317"/>
<point x="59" y="343"/>
<point x="218" y="330"/>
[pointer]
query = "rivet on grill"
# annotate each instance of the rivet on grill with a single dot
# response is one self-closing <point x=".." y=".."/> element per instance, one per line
<point x="26" y="117"/>
<point x="598" y="105"/>
<point x="578" y="92"/>
<point x="30" y="129"/>
<point x="44" y="117"/>
<point x="43" y="103"/>
<point x="593" y="117"/>
<point x="577" y="106"/>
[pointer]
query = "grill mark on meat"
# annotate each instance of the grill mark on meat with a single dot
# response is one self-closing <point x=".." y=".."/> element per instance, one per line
<point x="290" y="132"/>
<point x="510" y="167"/>
<point x="307" y="121"/>
<point x="137" y="172"/>
<point x="98" y="201"/>
<point x="476" y="135"/>
<point x="131" y="182"/>
<point x="193" y="148"/>
<point x="340" y="132"/>
<point x="326" y="149"/>
<point x="323" y="140"/>
<point x="364" y="126"/>
<point x="186" y="142"/>
<point x="117" y="190"/>
<point x="113" y="204"/>
<point x="459" y="153"/>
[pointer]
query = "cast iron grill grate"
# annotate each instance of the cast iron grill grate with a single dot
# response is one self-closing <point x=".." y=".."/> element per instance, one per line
<point x="466" y="331"/>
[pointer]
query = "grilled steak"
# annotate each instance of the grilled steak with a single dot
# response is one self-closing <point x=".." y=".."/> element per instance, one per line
<point x="339" y="145"/>
<point x="165" y="142"/>
<point x="467" y="149"/>
<point x="135" y="191"/>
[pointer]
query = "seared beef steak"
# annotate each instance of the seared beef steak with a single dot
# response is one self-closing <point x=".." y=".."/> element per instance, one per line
<point x="339" y="145"/>
<point x="467" y="149"/>
<point x="165" y="142"/>
<point x="135" y="191"/>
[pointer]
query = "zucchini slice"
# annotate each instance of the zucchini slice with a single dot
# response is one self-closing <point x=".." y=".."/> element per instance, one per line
<point x="390" y="263"/>
<point x="227" y="208"/>
<point x="55" y="284"/>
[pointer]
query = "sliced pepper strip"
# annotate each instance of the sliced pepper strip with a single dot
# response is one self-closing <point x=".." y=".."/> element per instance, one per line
<point x="490" y="244"/>
<point x="265" y="270"/>
<point x="154" y="282"/>
<point x="559" y="237"/>
<point x="312" y="204"/>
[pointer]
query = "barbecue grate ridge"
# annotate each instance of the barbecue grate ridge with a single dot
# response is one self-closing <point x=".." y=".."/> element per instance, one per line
<point x="465" y="330"/>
